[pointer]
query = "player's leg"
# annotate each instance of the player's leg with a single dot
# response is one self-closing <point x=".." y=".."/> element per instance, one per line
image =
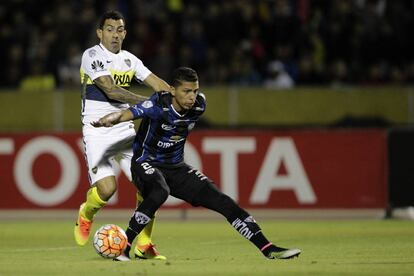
<point x="144" y="248"/>
<point x="204" y="193"/>
<point x="211" y="198"/>
<point x="103" y="184"/>
<point x="96" y="198"/>
<point x="150" y="181"/>
<point x="98" y="195"/>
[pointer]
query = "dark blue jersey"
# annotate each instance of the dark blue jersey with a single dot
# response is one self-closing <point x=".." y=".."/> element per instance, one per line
<point x="163" y="131"/>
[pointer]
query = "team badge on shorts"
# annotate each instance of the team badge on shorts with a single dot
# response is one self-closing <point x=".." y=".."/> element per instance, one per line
<point x="150" y="171"/>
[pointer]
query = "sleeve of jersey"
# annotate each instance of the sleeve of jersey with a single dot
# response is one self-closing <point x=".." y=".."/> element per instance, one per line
<point x="141" y="72"/>
<point x="146" y="108"/>
<point x="94" y="64"/>
<point x="202" y="101"/>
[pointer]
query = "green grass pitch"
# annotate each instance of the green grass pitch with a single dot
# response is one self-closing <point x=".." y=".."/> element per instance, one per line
<point x="212" y="247"/>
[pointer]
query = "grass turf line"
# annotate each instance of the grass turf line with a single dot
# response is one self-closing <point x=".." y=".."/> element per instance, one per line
<point x="358" y="247"/>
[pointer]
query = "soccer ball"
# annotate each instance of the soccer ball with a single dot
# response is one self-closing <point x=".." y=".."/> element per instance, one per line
<point x="110" y="241"/>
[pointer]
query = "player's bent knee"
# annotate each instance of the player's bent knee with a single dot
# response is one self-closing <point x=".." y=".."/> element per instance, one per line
<point x="161" y="194"/>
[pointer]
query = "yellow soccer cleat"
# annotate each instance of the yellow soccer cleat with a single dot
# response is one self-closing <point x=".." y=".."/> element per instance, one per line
<point x="148" y="252"/>
<point x="82" y="229"/>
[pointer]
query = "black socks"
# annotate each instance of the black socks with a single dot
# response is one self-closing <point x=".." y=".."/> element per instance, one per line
<point x="248" y="228"/>
<point x="137" y="222"/>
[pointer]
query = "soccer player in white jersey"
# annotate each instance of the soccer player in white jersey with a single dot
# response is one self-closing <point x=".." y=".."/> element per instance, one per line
<point x="106" y="73"/>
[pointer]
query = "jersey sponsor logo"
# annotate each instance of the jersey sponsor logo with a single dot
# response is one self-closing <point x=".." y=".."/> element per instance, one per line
<point x="167" y="127"/>
<point x="122" y="79"/>
<point x="242" y="228"/>
<point x="165" y="145"/>
<point x="141" y="218"/>
<point x="176" y="138"/>
<point x="147" y="104"/>
<point x="128" y="62"/>
<point x="92" y="53"/>
<point x="97" y="65"/>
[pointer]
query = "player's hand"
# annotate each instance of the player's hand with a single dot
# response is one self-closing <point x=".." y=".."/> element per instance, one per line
<point x="102" y="123"/>
<point x="108" y="120"/>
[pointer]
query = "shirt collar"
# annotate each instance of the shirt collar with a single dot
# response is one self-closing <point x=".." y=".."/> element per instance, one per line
<point x="176" y="112"/>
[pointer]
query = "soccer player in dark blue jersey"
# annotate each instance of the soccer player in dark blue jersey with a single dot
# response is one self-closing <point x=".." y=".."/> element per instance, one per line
<point x="158" y="167"/>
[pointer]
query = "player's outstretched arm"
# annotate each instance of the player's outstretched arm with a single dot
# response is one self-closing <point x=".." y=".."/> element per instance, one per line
<point x="114" y="118"/>
<point x="156" y="83"/>
<point x="107" y="84"/>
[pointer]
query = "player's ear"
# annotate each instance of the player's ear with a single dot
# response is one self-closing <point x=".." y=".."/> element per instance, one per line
<point x="99" y="33"/>
<point x="172" y="90"/>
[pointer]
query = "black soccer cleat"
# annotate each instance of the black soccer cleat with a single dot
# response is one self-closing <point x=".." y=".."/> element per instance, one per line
<point x="283" y="253"/>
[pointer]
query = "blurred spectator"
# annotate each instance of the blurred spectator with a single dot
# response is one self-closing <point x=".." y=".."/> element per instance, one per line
<point x="38" y="80"/>
<point x="339" y="74"/>
<point x="13" y="73"/>
<point x="68" y="67"/>
<point x="278" y="77"/>
<point x="228" y="42"/>
<point x="163" y="62"/>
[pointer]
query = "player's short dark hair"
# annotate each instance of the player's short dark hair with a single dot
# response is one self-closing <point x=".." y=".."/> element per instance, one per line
<point x="183" y="74"/>
<point x="116" y="15"/>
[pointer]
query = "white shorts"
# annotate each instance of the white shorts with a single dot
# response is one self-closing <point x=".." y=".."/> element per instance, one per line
<point x="108" y="149"/>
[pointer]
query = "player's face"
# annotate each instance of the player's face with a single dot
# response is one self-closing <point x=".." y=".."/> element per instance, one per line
<point x="184" y="95"/>
<point x="112" y="34"/>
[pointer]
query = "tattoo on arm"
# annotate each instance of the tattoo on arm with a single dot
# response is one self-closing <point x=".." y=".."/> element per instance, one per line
<point x="115" y="92"/>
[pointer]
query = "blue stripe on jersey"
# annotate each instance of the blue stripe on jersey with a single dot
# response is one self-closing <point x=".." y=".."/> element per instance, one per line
<point x="92" y="92"/>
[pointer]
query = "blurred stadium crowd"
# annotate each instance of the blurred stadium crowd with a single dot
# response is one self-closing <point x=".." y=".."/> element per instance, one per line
<point x="272" y="43"/>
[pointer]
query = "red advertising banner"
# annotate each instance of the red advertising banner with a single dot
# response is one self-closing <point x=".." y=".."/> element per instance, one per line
<point x="259" y="169"/>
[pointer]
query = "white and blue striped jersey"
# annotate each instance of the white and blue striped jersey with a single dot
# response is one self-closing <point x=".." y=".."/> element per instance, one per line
<point x="97" y="61"/>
